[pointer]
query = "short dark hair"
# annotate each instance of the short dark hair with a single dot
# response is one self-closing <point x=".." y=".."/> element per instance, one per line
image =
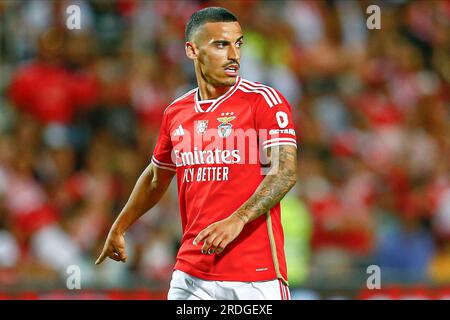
<point x="210" y="14"/>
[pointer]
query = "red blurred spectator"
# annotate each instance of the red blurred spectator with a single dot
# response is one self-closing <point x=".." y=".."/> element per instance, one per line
<point x="45" y="89"/>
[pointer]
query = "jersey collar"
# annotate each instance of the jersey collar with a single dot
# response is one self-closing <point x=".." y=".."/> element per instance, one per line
<point x="214" y="102"/>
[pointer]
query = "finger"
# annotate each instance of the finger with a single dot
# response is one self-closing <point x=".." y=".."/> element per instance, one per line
<point x="114" y="256"/>
<point x="201" y="236"/>
<point x="221" y="246"/>
<point x="215" y="245"/>
<point x="102" y="257"/>
<point x="207" y="243"/>
<point x="121" y="253"/>
<point x="211" y="250"/>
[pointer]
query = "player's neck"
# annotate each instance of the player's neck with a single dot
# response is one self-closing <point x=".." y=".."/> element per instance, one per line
<point x="208" y="91"/>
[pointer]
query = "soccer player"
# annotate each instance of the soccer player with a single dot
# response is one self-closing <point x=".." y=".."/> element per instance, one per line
<point x="232" y="245"/>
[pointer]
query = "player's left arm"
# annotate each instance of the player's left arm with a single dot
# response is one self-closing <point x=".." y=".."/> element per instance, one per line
<point x="274" y="122"/>
<point x="281" y="177"/>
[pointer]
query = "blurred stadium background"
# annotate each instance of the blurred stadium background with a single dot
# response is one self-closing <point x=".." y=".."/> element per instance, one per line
<point x="80" y="111"/>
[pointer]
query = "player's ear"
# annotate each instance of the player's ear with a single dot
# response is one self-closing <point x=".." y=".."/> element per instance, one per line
<point x="191" y="50"/>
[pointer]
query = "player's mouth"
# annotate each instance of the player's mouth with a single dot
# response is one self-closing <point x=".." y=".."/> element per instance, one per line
<point x="232" y="70"/>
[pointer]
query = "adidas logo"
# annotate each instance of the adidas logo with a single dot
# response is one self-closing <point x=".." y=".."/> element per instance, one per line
<point x="178" y="131"/>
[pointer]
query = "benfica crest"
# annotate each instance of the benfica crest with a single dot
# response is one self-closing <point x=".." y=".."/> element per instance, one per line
<point x="224" y="129"/>
<point x="202" y="125"/>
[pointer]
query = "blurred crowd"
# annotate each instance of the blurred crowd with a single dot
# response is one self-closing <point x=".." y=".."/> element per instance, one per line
<point x="80" y="112"/>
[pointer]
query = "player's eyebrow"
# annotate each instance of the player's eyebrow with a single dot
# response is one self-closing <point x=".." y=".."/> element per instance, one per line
<point x="226" y="41"/>
<point x="239" y="39"/>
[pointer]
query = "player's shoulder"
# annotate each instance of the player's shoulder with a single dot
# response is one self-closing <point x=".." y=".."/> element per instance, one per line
<point x="260" y="92"/>
<point x="181" y="100"/>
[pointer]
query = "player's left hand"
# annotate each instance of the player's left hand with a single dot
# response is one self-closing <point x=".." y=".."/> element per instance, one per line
<point x="218" y="235"/>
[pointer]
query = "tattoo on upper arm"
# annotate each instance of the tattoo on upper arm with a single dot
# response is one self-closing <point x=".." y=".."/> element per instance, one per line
<point x="279" y="180"/>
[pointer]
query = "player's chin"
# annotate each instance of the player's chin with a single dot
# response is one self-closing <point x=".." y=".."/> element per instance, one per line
<point x="229" y="80"/>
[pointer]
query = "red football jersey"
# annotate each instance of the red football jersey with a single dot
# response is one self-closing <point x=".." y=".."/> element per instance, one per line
<point x="215" y="148"/>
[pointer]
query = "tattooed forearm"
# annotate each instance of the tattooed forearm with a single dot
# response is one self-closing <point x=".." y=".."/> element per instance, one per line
<point x="280" y="179"/>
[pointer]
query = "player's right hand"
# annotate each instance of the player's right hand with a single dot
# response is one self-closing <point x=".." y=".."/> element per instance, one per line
<point x="114" y="248"/>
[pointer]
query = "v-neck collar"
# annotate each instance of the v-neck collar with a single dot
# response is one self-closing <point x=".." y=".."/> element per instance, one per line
<point x="214" y="102"/>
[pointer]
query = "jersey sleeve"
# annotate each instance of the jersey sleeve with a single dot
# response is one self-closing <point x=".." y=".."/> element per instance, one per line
<point x="162" y="154"/>
<point x="274" y="120"/>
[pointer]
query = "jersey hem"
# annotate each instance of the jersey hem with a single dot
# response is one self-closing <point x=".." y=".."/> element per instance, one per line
<point x="187" y="268"/>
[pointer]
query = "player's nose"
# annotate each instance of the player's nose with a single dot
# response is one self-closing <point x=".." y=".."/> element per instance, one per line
<point x="233" y="53"/>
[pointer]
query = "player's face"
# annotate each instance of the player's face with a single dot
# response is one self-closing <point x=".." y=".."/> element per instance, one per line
<point x="218" y="52"/>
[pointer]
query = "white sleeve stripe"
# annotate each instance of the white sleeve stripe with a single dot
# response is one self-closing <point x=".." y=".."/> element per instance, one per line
<point x="280" y="144"/>
<point x="274" y="92"/>
<point x="280" y="139"/>
<point x="256" y="85"/>
<point x="162" y="163"/>
<point x="268" y="94"/>
<point x="266" y="89"/>
<point x="163" y="167"/>
<point x="269" y="89"/>
<point x="260" y="92"/>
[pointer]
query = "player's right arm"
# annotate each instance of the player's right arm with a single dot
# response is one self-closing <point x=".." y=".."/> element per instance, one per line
<point x="149" y="189"/>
